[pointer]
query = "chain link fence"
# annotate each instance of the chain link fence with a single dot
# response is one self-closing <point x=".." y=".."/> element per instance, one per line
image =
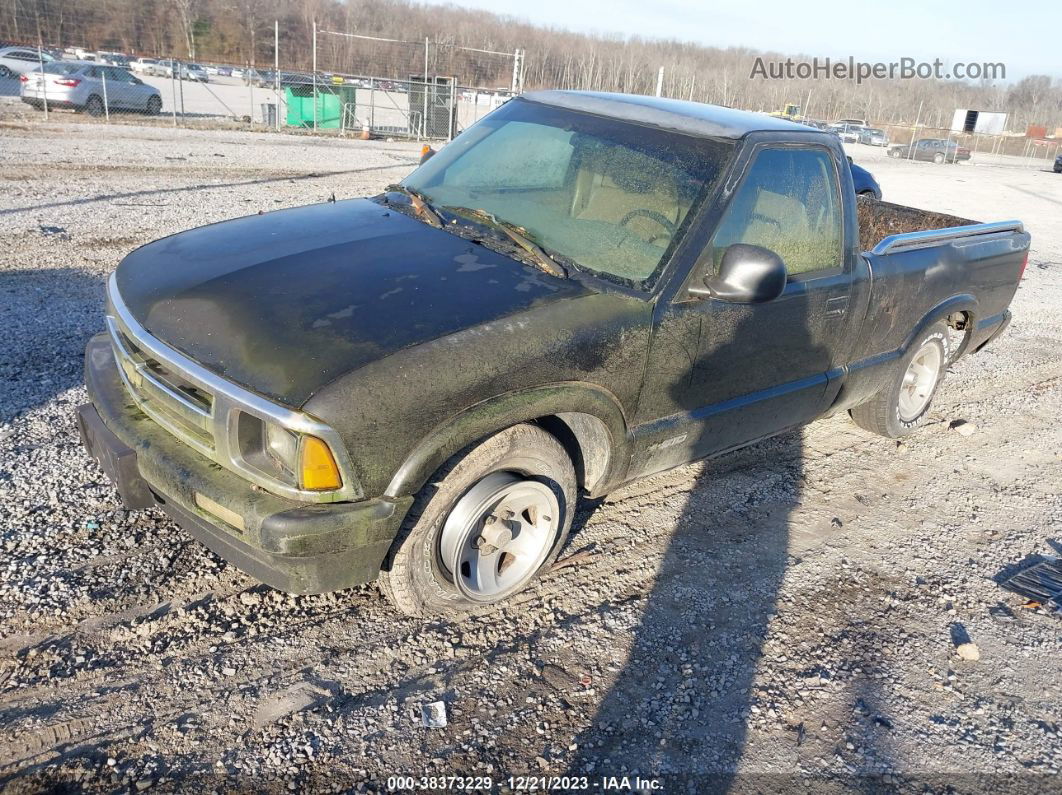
<point x="347" y="83"/>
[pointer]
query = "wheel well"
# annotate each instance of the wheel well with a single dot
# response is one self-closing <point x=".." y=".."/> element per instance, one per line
<point x="587" y="440"/>
<point x="962" y="323"/>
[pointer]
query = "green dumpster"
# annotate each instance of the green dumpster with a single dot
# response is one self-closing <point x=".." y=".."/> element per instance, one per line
<point x="330" y="102"/>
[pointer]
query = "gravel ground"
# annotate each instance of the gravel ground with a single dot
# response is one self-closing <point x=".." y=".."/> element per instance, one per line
<point x="787" y="614"/>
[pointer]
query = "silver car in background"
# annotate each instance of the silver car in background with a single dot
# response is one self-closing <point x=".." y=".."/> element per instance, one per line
<point x="15" y="61"/>
<point x="871" y="136"/>
<point x="92" y="87"/>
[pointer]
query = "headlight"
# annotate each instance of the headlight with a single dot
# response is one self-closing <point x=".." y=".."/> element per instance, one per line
<point x="282" y="446"/>
<point x="296" y="459"/>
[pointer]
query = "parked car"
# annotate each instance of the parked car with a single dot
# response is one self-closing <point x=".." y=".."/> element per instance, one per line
<point x="558" y="302"/>
<point x="872" y="136"/>
<point x="16" y="61"/>
<point x="143" y="66"/>
<point x="852" y="122"/>
<point x="161" y="68"/>
<point x="1058" y="164"/>
<point x="194" y="73"/>
<point x="863" y="181"/>
<point x="88" y="86"/>
<point x="113" y="58"/>
<point x="938" y="150"/>
<point x="848" y="133"/>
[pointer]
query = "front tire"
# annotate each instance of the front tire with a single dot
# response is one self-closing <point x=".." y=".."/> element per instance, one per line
<point x="493" y="518"/>
<point x="154" y="105"/>
<point x="938" y="158"/>
<point x="902" y="404"/>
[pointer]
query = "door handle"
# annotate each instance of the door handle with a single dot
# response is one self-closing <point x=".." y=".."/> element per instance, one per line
<point x="836" y="307"/>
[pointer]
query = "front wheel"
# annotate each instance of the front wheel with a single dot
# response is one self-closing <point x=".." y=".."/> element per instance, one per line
<point x="903" y="403"/>
<point x="938" y="158"/>
<point x="492" y="519"/>
<point x="154" y="105"/>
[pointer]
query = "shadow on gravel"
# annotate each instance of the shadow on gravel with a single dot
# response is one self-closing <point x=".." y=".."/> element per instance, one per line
<point x="48" y="315"/>
<point x="108" y="197"/>
<point x="681" y="708"/>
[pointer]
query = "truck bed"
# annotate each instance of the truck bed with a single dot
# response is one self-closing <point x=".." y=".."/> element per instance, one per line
<point x="879" y="220"/>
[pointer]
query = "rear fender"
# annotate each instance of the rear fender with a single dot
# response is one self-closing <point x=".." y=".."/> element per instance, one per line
<point x="957" y="303"/>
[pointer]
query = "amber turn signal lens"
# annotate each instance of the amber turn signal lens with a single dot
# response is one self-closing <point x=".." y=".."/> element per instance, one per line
<point x="317" y="467"/>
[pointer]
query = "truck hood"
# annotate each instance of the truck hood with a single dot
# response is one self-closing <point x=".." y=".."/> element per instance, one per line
<point x="287" y="301"/>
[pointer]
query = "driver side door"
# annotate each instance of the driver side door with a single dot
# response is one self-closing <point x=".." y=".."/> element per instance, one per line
<point x="722" y="374"/>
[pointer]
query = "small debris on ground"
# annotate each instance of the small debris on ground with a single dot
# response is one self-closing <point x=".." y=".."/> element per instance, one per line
<point x="433" y="715"/>
<point x="963" y="427"/>
<point x="968" y="651"/>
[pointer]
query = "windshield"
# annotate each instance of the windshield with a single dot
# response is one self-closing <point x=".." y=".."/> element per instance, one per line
<point x="609" y="196"/>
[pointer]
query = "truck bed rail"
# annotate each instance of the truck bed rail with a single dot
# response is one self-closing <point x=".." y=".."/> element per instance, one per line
<point x="932" y="237"/>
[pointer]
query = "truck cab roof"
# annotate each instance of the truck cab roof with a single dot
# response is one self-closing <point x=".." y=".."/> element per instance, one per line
<point x="692" y="118"/>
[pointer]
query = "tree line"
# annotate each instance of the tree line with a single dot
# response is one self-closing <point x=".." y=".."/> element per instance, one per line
<point x="240" y="32"/>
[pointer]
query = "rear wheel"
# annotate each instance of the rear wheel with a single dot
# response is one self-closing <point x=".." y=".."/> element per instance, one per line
<point x="154" y="105"/>
<point x="894" y="153"/>
<point x="495" y="516"/>
<point x="94" y="106"/>
<point x="938" y="158"/>
<point x="5" y="73"/>
<point x="903" y="403"/>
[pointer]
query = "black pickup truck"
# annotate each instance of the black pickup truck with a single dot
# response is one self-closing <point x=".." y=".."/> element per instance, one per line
<point x="579" y="290"/>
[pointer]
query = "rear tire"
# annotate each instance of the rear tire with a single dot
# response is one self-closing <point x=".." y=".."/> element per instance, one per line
<point x="94" y="106"/>
<point x="902" y="404"/>
<point x="938" y="158"/>
<point x="460" y="546"/>
<point x="5" y="73"/>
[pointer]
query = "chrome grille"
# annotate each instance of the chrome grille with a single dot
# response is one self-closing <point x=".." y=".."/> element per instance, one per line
<point x="169" y="398"/>
<point x="202" y="410"/>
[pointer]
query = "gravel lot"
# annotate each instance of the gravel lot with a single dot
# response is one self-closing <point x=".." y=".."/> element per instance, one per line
<point x="791" y="610"/>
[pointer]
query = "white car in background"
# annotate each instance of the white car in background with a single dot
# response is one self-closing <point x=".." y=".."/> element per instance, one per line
<point x="143" y="65"/>
<point x="16" y="61"/>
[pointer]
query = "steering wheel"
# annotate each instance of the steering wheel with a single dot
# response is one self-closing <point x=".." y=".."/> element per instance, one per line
<point x="766" y="220"/>
<point x="652" y="215"/>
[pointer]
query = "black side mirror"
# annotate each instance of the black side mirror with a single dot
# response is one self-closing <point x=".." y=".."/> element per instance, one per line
<point x="747" y="275"/>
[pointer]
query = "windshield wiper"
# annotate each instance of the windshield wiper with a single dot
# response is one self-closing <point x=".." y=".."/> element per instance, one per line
<point x="518" y="235"/>
<point x="419" y="203"/>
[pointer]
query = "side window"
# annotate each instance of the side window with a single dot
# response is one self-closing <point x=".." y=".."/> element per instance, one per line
<point x="119" y="75"/>
<point x="788" y="203"/>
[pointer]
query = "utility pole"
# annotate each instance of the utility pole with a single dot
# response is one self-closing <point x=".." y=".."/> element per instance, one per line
<point x="276" y="69"/>
<point x="424" y="115"/>
<point x="315" y="75"/>
<point x="660" y="81"/>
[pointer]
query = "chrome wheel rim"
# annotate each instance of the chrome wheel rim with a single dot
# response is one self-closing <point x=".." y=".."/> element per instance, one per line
<point x="916" y="390"/>
<point x="498" y="534"/>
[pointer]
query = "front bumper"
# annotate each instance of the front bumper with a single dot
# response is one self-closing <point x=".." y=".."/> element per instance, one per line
<point x="293" y="546"/>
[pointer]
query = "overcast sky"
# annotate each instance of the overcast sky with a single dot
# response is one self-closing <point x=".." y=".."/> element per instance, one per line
<point x="1024" y="36"/>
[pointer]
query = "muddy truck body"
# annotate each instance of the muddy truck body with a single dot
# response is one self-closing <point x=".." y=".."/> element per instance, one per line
<point x="580" y="290"/>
